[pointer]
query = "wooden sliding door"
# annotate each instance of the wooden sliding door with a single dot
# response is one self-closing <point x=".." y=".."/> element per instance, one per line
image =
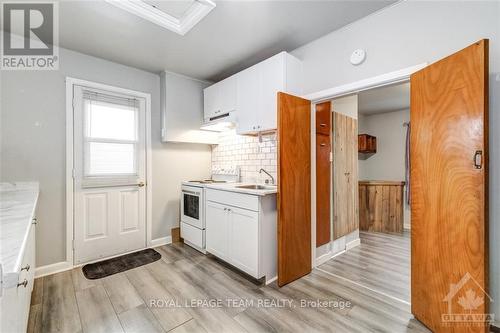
<point x="294" y="188"/>
<point x="449" y="191"/>
<point x="345" y="175"/>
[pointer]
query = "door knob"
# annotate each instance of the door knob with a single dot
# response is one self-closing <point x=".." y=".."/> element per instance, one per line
<point x="141" y="184"/>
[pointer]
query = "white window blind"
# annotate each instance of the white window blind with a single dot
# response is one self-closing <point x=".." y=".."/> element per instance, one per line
<point x="110" y="130"/>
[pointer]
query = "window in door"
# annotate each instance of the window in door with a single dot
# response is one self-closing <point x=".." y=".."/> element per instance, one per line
<point x="110" y="137"/>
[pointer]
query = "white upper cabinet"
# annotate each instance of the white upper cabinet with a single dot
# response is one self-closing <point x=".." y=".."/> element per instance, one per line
<point x="220" y="98"/>
<point x="257" y="89"/>
<point x="248" y="103"/>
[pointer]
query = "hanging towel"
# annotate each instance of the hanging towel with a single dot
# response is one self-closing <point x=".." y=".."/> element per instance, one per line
<point x="407" y="164"/>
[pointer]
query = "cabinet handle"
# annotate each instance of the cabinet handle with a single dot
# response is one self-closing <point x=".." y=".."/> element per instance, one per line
<point x="229" y="209"/>
<point x="27" y="268"/>
<point x="34" y="221"/>
<point x="24" y="283"/>
<point x="322" y="125"/>
<point x="225" y="208"/>
<point x="323" y="144"/>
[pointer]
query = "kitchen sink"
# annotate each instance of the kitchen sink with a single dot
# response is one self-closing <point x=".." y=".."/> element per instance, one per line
<point x="256" y="187"/>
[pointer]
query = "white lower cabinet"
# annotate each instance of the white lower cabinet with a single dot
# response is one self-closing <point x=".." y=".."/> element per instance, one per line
<point x="244" y="239"/>
<point x="241" y="230"/>
<point x="217" y="230"/>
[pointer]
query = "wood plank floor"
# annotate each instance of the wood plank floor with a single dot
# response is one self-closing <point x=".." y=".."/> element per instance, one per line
<point x="67" y="302"/>
<point x="381" y="262"/>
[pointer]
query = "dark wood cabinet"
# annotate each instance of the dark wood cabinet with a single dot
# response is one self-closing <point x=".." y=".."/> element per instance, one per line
<point x="324" y="118"/>
<point x="323" y="172"/>
<point x="323" y="188"/>
<point x="367" y="144"/>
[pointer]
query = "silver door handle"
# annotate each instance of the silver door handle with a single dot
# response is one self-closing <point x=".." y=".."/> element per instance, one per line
<point x="34" y="221"/>
<point x="141" y="184"/>
<point x="27" y="268"/>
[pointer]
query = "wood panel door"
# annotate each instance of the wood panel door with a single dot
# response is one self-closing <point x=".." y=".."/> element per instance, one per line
<point x="449" y="191"/>
<point x="345" y="175"/>
<point x="294" y="188"/>
<point x="323" y="172"/>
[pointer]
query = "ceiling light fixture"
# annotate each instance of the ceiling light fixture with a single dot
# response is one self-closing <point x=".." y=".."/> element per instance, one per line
<point x="194" y="14"/>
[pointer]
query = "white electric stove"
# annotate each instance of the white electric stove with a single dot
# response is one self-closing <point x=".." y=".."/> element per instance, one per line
<point x="193" y="205"/>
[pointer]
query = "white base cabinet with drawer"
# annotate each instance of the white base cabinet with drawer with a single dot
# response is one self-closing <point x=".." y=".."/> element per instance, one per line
<point x="241" y="230"/>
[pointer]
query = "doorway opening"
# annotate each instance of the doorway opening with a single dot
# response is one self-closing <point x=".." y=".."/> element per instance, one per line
<point x="370" y="214"/>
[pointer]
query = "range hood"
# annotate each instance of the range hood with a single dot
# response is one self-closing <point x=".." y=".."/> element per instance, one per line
<point x="220" y="123"/>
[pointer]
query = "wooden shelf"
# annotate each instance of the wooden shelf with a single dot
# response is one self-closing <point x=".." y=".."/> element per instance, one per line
<point x="367" y="144"/>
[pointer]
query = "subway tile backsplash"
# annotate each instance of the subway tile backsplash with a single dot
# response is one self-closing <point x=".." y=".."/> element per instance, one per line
<point x="247" y="153"/>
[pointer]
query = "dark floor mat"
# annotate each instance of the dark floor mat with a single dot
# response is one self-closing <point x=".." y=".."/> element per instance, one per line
<point x="123" y="263"/>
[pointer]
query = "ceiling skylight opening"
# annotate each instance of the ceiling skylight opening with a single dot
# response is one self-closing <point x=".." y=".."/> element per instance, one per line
<point x="177" y="16"/>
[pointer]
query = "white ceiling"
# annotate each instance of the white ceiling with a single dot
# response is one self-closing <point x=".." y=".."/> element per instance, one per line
<point x="385" y="99"/>
<point x="235" y="35"/>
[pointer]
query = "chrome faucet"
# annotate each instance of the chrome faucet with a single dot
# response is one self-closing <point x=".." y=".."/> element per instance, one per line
<point x="267" y="173"/>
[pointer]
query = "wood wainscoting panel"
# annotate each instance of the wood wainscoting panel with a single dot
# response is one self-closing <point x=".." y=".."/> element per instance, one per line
<point x="449" y="190"/>
<point x="294" y="188"/>
<point x="381" y="206"/>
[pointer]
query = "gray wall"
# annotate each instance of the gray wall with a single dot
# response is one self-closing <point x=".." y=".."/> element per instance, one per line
<point x="33" y="138"/>
<point x="406" y="34"/>
<point x="389" y="161"/>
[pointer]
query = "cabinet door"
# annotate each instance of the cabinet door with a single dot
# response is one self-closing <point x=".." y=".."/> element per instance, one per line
<point x="248" y="102"/>
<point x="323" y="189"/>
<point x="345" y="175"/>
<point x="226" y="95"/>
<point x="209" y="101"/>
<point x="217" y="230"/>
<point x="272" y="81"/>
<point x="244" y="240"/>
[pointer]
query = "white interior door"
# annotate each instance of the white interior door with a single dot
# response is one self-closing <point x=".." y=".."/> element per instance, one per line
<point x="109" y="174"/>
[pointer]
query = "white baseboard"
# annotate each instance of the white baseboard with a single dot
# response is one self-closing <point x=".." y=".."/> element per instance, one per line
<point x="53" y="268"/>
<point x="271" y="280"/>
<point x="323" y="258"/>
<point x="161" y="241"/>
<point x="352" y="244"/>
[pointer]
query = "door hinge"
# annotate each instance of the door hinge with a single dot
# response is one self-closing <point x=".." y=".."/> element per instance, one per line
<point x="73" y="244"/>
<point x="331" y="157"/>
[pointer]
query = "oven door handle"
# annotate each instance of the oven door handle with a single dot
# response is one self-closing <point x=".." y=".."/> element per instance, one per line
<point x="190" y="192"/>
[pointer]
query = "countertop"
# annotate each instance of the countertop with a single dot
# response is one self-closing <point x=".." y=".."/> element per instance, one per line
<point x="231" y="187"/>
<point x="17" y="208"/>
<point x="382" y="182"/>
